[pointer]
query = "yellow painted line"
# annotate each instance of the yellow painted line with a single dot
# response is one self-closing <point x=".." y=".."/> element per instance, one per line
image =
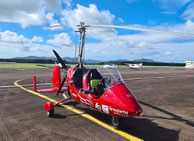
<point x="81" y="113"/>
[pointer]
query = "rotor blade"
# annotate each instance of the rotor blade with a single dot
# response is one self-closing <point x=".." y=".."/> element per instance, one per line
<point x="60" y="60"/>
<point x="61" y="84"/>
<point x="145" y="29"/>
<point x="60" y="25"/>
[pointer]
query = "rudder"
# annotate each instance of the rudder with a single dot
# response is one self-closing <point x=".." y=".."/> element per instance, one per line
<point x="56" y="76"/>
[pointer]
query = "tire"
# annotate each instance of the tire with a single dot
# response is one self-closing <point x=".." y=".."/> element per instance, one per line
<point x="116" y="122"/>
<point x="50" y="113"/>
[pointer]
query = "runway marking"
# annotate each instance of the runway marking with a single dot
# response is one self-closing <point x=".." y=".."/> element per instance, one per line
<point x="29" y="85"/>
<point x="172" y="88"/>
<point x="81" y="113"/>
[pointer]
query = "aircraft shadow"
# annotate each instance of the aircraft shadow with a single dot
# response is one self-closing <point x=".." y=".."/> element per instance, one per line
<point x="173" y="116"/>
<point x="140" y="127"/>
<point x="59" y="116"/>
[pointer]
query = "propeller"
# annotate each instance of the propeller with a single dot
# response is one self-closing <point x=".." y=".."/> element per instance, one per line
<point x="60" y="60"/>
<point x="63" y="66"/>
<point x="62" y="83"/>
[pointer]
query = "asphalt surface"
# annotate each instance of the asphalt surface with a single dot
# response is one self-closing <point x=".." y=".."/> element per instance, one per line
<point x="22" y="115"/>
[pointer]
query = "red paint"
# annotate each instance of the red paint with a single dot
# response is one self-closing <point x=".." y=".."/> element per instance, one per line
<point x="56" y="77"/>
<point x="34" y="82"/>
<point x="56" y="80"/>
<point x="48" y="106"/>
<point x="116" y="100"/>
<point x="85" y="82"/>
<point x="52" y="90"/>
<point x="62" y="101"/>
<point x="119" y="97"/>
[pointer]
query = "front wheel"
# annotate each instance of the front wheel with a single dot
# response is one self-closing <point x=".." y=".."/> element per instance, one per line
<point x="116" y="122"/>
<point x="50" y="113"/>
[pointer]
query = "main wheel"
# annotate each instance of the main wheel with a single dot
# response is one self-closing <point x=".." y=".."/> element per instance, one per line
<point x="50" y="113"/>
<point x="116" y="122"/>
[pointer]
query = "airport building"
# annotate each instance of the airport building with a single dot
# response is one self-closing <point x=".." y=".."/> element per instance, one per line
<point x="189" y="64"/>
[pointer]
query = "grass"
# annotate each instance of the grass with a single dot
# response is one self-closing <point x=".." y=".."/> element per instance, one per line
<point x="34" y="66"/>
<point x="21" y="66"/>
<point x="164" y="67"/>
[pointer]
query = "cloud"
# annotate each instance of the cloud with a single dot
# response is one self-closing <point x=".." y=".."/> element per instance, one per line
<point x="52" y="5"/>
<point x="120" y="20"/>
<point x="90" y="15"/>
<point x="131" y="46"/>
<point x="14" y="45"/>
<point x="68" y="3"/>
<point x="168" y="53"/>
<point x="189" y="13"/>
<point x="37" y="39"/>
<point x="61" y="40"/>
<point x="171" y="6"/>
<point x="52" y="21"/>
<point x="159" y="47"/>
<point x="29" y="12"/>
<point x="12" y="37"/>
<point x="110" y="45"/>
<point x="169" y="12"/>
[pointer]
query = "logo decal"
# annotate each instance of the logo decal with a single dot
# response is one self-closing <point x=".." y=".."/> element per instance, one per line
<point x="98" y="107"/>
<point x="105" y="109"/>
<point x="118" y="112"/>
<point x="87" y="102"/>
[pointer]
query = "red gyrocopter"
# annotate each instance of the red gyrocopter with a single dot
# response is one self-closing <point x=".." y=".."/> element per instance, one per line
<point x="89" y="87"/>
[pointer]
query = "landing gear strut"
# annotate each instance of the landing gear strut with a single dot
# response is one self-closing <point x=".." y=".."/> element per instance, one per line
<point x="49" y="106"/>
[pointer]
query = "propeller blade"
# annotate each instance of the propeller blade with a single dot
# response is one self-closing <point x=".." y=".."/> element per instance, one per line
<point x="145" y="29"/>
<point x="62" y="84"/>
<point x="60" y="60"/>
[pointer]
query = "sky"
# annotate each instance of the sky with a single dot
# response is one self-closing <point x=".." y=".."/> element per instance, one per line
<point x="24" y="28"/>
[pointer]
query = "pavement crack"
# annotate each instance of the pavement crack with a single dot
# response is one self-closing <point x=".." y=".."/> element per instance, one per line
<point x="5" y="132"/>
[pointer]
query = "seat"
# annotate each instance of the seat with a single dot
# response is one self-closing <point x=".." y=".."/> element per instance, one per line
<point x="77" y="77"/>
<point x="94" y="84"/>
<point x="91" y="81"/>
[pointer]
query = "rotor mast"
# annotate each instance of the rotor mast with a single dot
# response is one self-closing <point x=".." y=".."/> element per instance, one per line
<point x="82" y="30"/>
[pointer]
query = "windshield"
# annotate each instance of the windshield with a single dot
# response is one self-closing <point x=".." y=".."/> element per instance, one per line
<point x="110" y="75"/>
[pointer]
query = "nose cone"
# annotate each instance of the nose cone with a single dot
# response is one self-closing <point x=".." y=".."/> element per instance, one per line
<point x="123" y="102"/>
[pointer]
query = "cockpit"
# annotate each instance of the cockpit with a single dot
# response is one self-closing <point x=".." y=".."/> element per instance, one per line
<point x="96" y="81"/>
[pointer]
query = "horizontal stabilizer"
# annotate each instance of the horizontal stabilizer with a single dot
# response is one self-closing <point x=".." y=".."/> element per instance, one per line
<point x="52" y="90"/>
<point x="47" y="90"/>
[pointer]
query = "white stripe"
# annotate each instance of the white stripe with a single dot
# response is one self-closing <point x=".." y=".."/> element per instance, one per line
<point x="12" y="86"/>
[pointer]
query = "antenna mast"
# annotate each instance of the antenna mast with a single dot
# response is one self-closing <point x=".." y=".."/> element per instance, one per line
<point x="82" y="30"/>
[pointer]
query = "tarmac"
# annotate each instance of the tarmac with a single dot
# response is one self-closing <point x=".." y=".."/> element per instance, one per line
<point x="165" y="94"/>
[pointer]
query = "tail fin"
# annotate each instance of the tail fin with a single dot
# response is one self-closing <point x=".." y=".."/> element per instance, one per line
<point x="56" y="77"/>
<point x="34" y="82"/>
<point x="56" y="80"/>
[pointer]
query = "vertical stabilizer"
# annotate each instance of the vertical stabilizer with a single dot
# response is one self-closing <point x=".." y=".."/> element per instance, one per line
<point x="34" y="82"/>
<point x="56" y="77"/>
